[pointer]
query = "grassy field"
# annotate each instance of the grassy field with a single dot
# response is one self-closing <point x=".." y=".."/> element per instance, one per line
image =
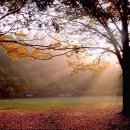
<point x="75" y="113"/>
<point x="56" y="103"/>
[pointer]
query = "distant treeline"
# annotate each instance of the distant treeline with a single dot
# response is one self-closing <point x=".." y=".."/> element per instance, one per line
<point x="18" y="79"/>
<point x="16" y="82"/>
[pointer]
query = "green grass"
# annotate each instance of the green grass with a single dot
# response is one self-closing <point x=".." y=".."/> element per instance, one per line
<point x="56" y="103"/>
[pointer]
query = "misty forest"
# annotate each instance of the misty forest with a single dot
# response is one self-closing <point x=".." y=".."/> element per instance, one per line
<point x="68" y="57"/>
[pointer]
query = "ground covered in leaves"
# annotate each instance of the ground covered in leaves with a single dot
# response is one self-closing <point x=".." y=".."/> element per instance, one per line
<point x="102" y="117"/>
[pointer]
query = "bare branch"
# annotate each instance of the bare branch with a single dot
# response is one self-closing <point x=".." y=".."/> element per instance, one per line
<point x="52" y="56"/>
<point x="45" y="47"/>
<point x="14" y="11"/>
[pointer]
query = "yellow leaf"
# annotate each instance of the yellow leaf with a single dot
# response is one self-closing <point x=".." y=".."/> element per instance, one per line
<point x="57" y="44"/>
<point x="20" y="36"/>
<point x="40" y="55"/>
<point x="15" y="51"/>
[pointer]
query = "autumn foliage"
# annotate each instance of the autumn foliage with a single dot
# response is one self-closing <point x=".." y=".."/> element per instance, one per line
<point x="17" y="51"/>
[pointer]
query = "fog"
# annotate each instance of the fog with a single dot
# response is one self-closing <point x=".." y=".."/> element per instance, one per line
<point x="108" y="82"/>
<point x="55" y="74"/>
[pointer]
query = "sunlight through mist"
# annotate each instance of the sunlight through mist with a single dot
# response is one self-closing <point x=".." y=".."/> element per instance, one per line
<point x="108" y="82"/>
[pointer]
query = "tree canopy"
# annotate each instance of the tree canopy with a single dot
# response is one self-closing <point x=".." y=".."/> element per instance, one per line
<point x="109" y="14"/>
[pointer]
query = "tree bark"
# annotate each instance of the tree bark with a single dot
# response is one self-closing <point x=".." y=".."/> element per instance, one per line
<point x="125" y="61"/>
<point x="126" y="82"/>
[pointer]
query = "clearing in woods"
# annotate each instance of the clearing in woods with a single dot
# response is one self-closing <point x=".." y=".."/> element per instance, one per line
<point x="78" y="113"/>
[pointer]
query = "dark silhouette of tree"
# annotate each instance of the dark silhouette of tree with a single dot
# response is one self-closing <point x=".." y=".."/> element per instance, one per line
<point x="116" y="12"/>
<point x="103" y="12"/>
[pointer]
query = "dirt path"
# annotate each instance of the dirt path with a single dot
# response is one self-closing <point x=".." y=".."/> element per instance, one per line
<point x="99" y="118"/>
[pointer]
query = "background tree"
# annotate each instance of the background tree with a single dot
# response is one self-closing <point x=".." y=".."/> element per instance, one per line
<point x="112" y="18"/>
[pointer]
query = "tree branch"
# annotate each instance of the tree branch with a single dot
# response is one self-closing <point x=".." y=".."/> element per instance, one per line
<point x="45" y="47"/>
<point x="14" y="11"/>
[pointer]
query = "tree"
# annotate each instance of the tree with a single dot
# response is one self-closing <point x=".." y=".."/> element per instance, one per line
<point x="116" y="12"/>
<point x="111" y="15"/>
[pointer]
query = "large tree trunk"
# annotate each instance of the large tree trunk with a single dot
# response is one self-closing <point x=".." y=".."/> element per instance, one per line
<point x="126" y="82"/>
